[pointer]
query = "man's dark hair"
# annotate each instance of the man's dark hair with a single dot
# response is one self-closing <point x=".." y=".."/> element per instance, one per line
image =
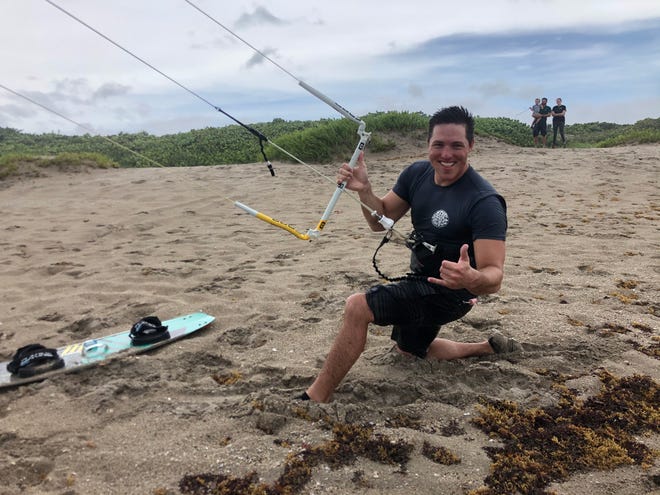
<point x="453" y="115"/>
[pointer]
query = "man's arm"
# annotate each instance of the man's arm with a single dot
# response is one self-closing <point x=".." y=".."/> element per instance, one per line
<point x="357" y="179"/>
<point x="545" y="112"/>
<point x="485" y="279"/>
<point x="391" y="205"/>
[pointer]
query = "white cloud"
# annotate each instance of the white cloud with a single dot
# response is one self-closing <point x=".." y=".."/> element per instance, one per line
<point x="348" y="50"/>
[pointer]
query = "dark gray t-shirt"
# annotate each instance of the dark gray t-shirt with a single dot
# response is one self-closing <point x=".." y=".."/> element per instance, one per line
<point x="450" y="216"/>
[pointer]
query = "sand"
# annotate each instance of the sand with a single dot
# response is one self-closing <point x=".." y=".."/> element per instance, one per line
<point x="88" y="253"/>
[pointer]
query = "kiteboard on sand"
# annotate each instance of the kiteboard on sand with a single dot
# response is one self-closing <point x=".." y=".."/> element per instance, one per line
<point x="36" y="363"/>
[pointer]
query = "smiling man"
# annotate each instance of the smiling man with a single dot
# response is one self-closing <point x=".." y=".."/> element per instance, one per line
<point x="462" y="218"/>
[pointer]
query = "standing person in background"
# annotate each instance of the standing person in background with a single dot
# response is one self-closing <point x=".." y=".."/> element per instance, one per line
<point x="558" y="122"/>
<point x="535" y="110"/>
<point x="541" y="127"/>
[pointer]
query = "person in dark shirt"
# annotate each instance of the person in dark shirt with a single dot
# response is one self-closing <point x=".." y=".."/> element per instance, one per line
<point x="541" y="127"/>
<point x="558" y="122"/>
<point x="463" y="218"/>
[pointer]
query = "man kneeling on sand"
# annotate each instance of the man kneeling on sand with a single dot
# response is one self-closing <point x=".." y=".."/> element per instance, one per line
<point x="452" y="208"/>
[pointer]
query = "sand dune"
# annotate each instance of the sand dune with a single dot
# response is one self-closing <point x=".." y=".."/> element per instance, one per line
<point x="87" y="254"/>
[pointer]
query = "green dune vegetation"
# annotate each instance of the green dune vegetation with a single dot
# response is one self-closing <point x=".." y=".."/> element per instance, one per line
<point x="33" y="165"/>
<point x="319" y="141"/>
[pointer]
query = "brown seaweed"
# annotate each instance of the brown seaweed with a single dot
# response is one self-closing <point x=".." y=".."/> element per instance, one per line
<point x="349" y="442"/>
<point x="550" y="444"/>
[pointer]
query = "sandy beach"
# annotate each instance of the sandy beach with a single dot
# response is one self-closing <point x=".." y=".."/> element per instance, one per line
<point x="88" y="253"/>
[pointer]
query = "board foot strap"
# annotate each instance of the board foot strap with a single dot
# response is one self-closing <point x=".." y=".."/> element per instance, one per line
<point x="34" y="359"/>
<point x="148" y="331"/>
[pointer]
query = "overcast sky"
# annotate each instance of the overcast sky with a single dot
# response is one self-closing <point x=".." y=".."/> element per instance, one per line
<point x="493" y="56"/>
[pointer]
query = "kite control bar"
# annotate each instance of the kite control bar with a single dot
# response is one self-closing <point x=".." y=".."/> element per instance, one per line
<point x="316" y="231"/>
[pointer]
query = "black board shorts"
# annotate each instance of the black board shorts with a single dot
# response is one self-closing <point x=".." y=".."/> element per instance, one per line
<point x="416" y="309"/>
<point x="541" y="128"/>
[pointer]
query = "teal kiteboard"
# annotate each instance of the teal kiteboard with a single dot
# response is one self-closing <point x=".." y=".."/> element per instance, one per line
<point x="93" y="351"/>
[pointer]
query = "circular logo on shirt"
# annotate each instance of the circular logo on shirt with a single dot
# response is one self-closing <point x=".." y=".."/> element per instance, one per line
<point x="440" y="219"/>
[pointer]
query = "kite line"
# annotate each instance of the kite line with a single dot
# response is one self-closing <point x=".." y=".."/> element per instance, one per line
<point x="252" y="130"/>
<point x="364" y="140"/>
<point x="364" y="136"/>
<point x="88" y="129"/>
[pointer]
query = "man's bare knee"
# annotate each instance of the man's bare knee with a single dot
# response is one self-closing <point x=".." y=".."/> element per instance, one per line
<point x="357" y="309"/>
